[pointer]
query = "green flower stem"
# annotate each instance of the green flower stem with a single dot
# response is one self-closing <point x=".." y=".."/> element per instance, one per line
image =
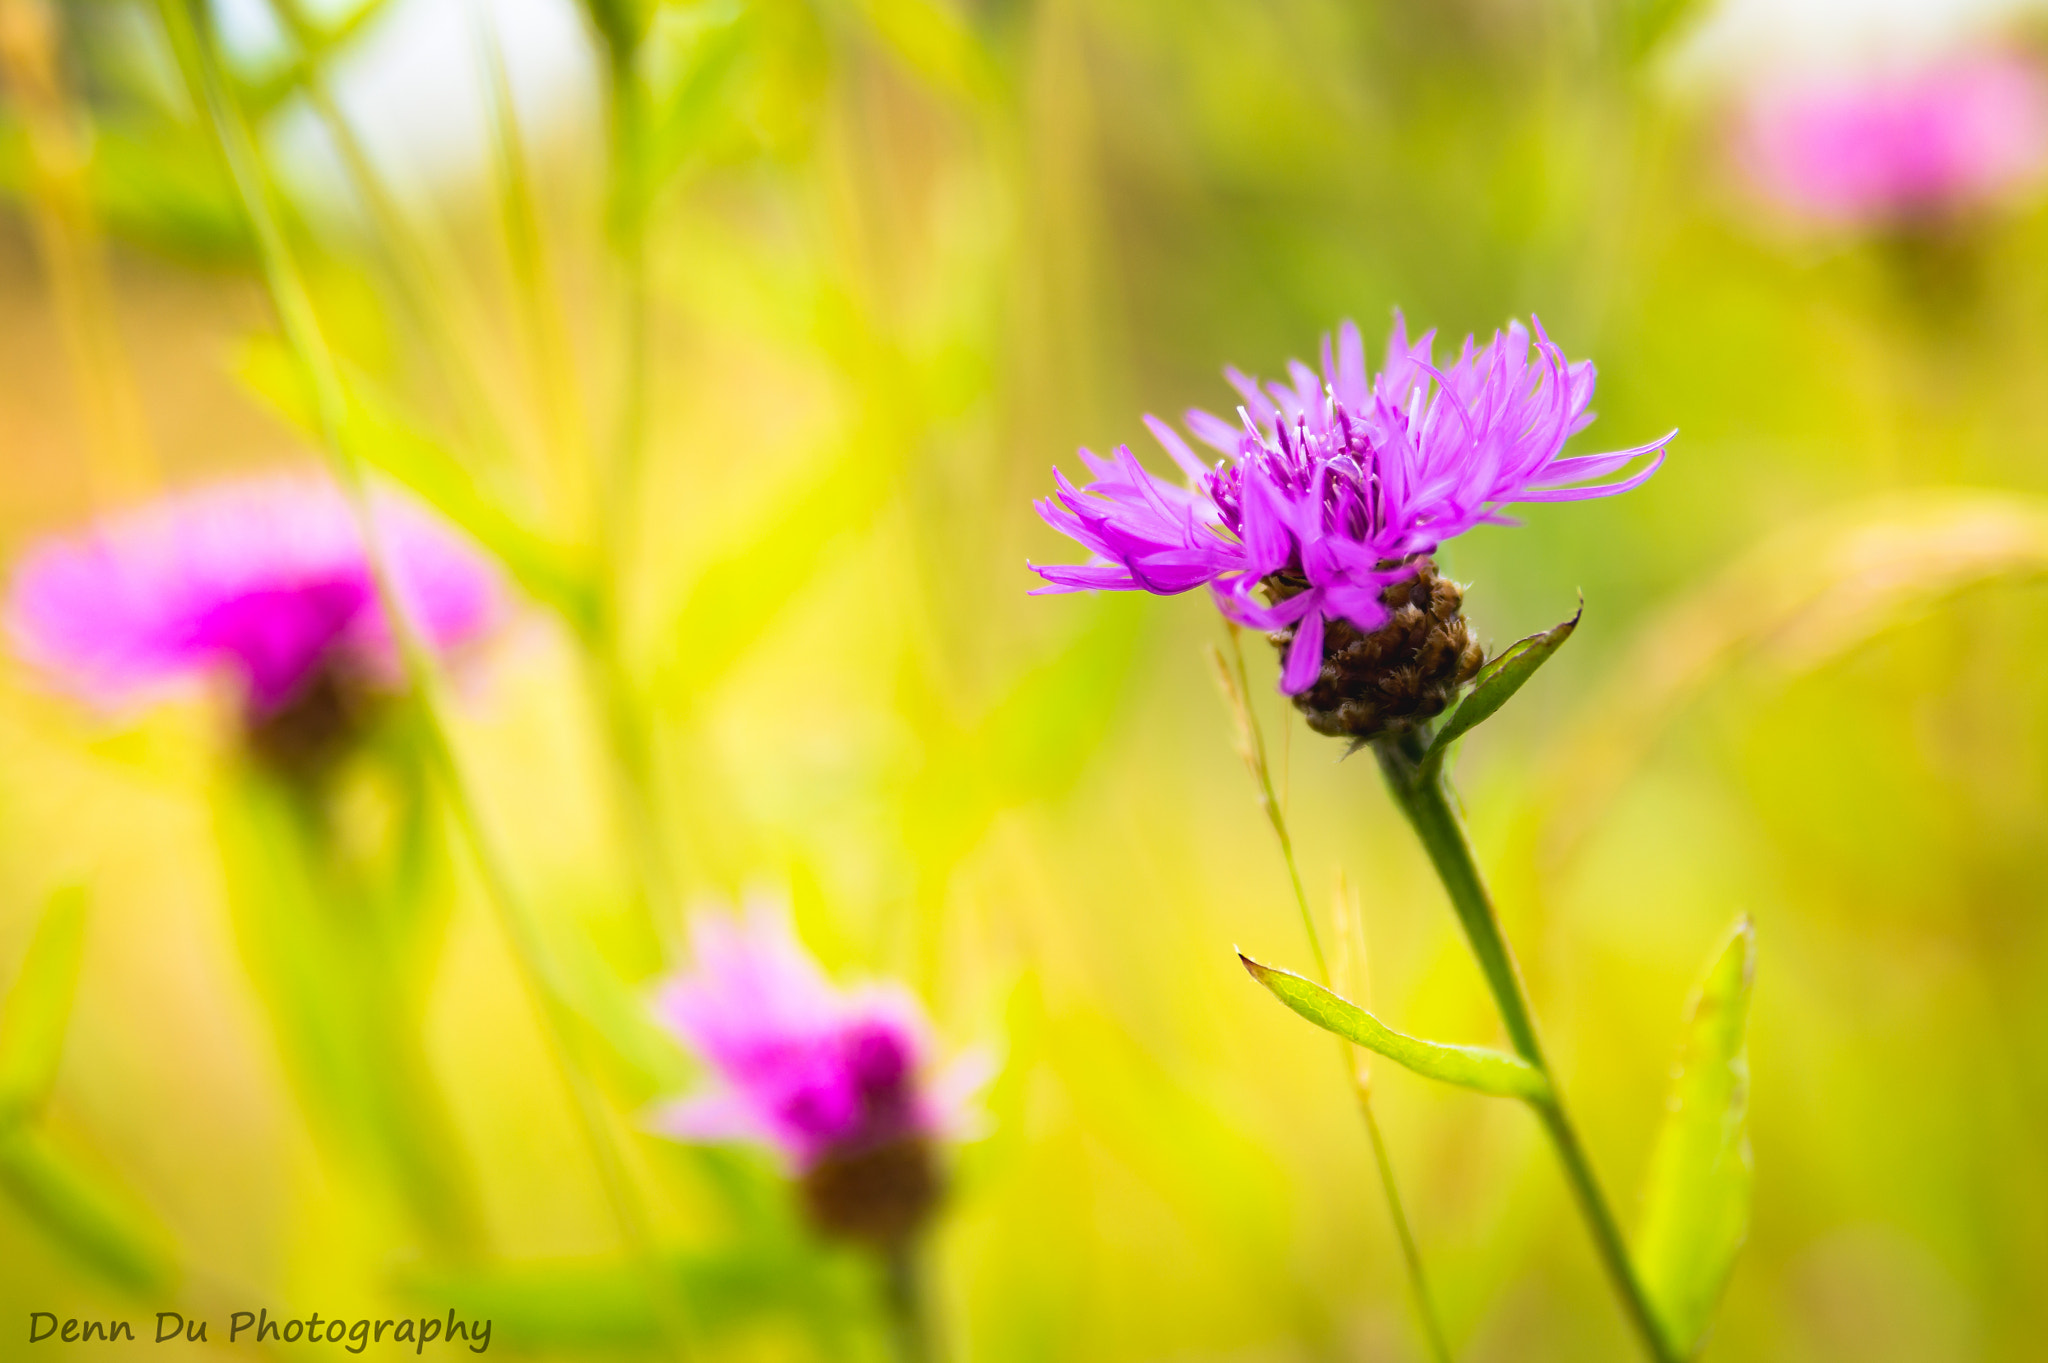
<point x="1236" y="686"/>
<point x="184" y="22"/>
<point x="1424" y="798"/>
<point x="910" y="1321"/>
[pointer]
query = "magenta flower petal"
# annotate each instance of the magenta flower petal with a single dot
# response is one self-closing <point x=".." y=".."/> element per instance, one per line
<point x="812" y="1070"/>
<point x="1579" y="494"/>
<point x="1305" y="656"/>
<point x="1337" y="483"/>
<point x="1893" y="146"/>
<point x="265" y="578"/>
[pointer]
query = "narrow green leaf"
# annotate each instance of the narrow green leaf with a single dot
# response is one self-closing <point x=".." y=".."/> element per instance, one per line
<point x="321" y="44"/>
<point x="71" y="1209"/>
<point x="602" y="1304"/>
<point x="1497" y="681"/>
<point x="739" y="594"/>
<point x="38" y="1007"/>
<point x="1696" y="1200"/>
<point x="391" y="443"/>
<point x="1649" y="23"/>
<point x="695" y="92"/>
<point x="1472" y="1067"/>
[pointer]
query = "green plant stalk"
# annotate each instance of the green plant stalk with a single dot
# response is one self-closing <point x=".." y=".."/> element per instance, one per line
<point x="1425" y="800"/>
<point x="607" y="676"/>
<point x="617" y="492"/>
<point x="414" y="274"/>
<point x="910" y="1320"/>
<point x="599" y="489"/>
<point x="1411" y="1253"/>
<point x="67" y="231"/>
<point x="295" y="312"/>
<point x="328" y="973"/>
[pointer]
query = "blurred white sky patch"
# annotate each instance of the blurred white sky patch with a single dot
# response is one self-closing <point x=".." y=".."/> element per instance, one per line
<point x="416" y="89"/>
<point x="1736" y="41"/>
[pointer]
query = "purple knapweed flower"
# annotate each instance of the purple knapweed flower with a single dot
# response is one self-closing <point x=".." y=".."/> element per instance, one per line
<point x="264" y="578"/>
<point x="1335" y="490"/>
<point x="839" y="1082"/>
<point x="1898" y="146"/>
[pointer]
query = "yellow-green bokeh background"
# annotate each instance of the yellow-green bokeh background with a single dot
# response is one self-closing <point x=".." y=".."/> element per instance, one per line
<point x="904" y="256"/>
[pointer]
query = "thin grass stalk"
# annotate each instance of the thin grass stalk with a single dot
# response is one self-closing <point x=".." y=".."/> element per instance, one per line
<point x="121" y="463"/>
<point x="910" y="1320"/>
<point x="406" y="255"/>
<point x="626" y="733"/>
<point x="597" y="493"/>
<point x="618" y="486"/>
<point x="1252" y="747"/>
<point x="202" y="72"/>
<point x="552" y="356"/>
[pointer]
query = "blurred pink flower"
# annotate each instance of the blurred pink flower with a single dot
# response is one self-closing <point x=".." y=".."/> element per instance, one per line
<point x="265" y="577"/>
<point x="816" y="1072"/>
<point x="1886" y="148"/>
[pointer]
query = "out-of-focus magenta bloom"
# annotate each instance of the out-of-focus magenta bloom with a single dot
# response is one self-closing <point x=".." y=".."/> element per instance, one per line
<point x="1338" y="485"/>
<point x="1899" y="146"/>
<point x="812" y="1070"/>
<point x="265" y="578"/>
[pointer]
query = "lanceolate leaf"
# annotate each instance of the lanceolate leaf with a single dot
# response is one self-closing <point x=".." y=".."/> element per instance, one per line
<point x="1696" y="1203"/>
<point x="38" y="1006"/>
<point x="1497" y="681"/>
<point x="1472" y="1067"/>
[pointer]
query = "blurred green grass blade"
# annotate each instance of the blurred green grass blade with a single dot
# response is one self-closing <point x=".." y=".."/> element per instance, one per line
<point x="38" y="1007"/>
<point x="1865" y="568"/>
<point x="72" y="1210"/>
<point x="934" y="40"/>
<point x="620" y="25"/>
<point x="1648" y="23"/>
<point x="684" y="113"/>
<point x="348" y="1037"/>
<point x="152" y="180"/>
<point x="1032" y="742"/>
<point x="1495" y="684"/>
<point x="1039" y="735"/>
<point x="741" y="592"/>
<point x="397" y="448"/>
<point x="320" y="44"/>
<point x="580" y="1306"/>
<point x="643" y="1059"/>
<point x="1696" y="1200"/>
<point x="1472" y="1067"/>
<point x="163" y="186"/>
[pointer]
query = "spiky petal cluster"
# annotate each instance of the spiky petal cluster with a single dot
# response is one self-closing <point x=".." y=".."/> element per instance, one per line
<point x="815" y="1072"/>
<point x="265" y="578"/>
<point x="1336" y="486"/>
<point x="1897" y="146"/>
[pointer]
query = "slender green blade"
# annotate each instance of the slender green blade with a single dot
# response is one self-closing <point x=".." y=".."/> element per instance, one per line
<point x="601" y="1305"/>
<point x="1649" y="23"/>
<point x="1696" y="1201"/>
<point x="38" y="1007"/>
<point x="1472" y="1067"/>
<point x="398" y="447"/>
<point x="1496" y="682"/>
<point x="72" y="1210"/>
